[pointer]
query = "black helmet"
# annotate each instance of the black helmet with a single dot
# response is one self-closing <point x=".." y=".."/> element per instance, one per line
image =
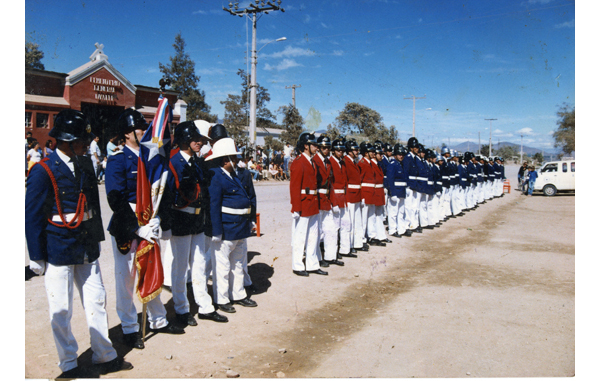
<point x="131" y="120"/>
<point x="324" y="141"/>
<point x="429" y="154"/>
<point x="351" y="145"/>
<point x="399" y="149"/>
<point x="468" y="156"/>
<point x="71" y="125"/>
<point x="412" y="143"/>
<point x="305" y="138"/>
<point x="378" y="147"/>
<point x="338" y="144"/>
<point x="366" y="147"/>
<point x="387" y="147"/>
<point x="421" y="147"/>
<point x="217" y="132"/>
<point x="185" y="132"/>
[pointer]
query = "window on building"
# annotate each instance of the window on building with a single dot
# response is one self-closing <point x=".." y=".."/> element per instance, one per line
<point x="27" y="119"/>
<point x="41" y="120"/>
<point x="564" y="167"/>
<point x="573" y="167"/>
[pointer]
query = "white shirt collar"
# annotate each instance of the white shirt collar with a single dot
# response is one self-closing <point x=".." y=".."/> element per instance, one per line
<point x="67" y="160"/>
<point x="135" y="151"/>
<point x="307" y="156"/>
<point x="226" y="172"/>
<point x="185" y="156"/>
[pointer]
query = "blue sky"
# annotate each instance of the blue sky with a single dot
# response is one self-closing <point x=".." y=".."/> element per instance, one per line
<point x="513" y="61"/>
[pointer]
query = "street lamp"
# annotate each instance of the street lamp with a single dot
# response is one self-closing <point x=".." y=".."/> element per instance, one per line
<point x="253" y="86"/>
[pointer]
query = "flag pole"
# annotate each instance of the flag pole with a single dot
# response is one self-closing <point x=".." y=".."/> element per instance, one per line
<point x="144" y="308"/>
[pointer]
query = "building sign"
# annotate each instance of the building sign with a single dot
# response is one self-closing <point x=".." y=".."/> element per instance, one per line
<point x="106" y="90"/>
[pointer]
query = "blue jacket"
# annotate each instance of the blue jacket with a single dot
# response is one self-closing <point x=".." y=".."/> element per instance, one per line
<point x="185" y="185"/>
<point x="383" y="164"/>
<point x="59" y="245"/>
<point x="472" y="171"/>
<point x="425" y="177"/>
<point x="229" y="192"/>
<point x="437" y="178"/>
<point x="246" y="178"/>
<point x="491" y="173"/>
<point x="463" y="176"/>
<point x="396" y="180"/>
<point x="479" y="172"/>
<point x="411" y="170"/>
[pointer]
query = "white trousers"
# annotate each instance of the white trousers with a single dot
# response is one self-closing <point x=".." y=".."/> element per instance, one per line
<point x="396" y="221"/>
<point x="125" y="276"/>
<point x="190" y="251"/>
<point x="446" y="201"/>
<point x="305" y="237"/>
<point x="368" y="214"/>
<point x="470" y="196"/>
<point x="436" y="202"/>
<point x="479" y="193"/>
<point x="461" y="197"/>
<point x="87" y="278"/>
<point x="228" y="277"/>
<point x="379" y="227"/>
<point x="423" y="204"/>
<point x="328" y="233"/>
<point x="356" y="233"/>
<point x="344" y="226"/>
<point x="411" y="208"/>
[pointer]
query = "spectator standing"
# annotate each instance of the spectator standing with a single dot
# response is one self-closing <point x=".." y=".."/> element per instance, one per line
<point x="112" y="147"/>
<point x="33" y="155"/>
<point x="48" y="148"/>
<point x="531" y="177"/>
<point x="94" y="153"/>
<point x="521" y="176"/>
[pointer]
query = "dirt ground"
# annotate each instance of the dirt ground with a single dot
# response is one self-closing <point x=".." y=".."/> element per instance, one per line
<point x="490" y="294"/>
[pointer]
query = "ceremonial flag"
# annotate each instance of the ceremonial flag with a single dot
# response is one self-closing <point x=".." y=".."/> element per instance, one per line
<point x="153" y="166"/>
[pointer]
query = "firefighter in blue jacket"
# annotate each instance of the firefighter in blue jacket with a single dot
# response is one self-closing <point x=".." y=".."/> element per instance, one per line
<point x="413" y="196"/>
<point x="121" y="192"/>
<point x="63" y="228"/>
<point x="231" y="214"/>
<point x="396" y="183"/>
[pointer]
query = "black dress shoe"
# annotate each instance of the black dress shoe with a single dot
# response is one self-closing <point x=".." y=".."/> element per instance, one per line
<point x="186" y="319"/>
<point x="300" y="272"/>
<point x="336" y="262"/>
<point x="418" y="230"/>
<point x="246" y="302"/>
<point x="115" y="365"/>
<point x="226" y="308"/>
<point x="214" y="316"/>
<point x="319" y="271"/>
<point x="397" y="235"/>
<point x="407" y="233"/>
<point x="353" y="251"/>
<point x="438" y="225"/>
<point x="170" y="329"/>
<point x="387" y="240"/>
<point x="72" y="373"/>
<point x="460" y="214"/>
<point x="362" y="249"/>
<point x="451" y="216"/>
<point x="376" y="242"/>
<point x="350" y="255"/>
<point x="338" y="256"/>
<point x="323" y="264"/>
<point x="134" y="340"/>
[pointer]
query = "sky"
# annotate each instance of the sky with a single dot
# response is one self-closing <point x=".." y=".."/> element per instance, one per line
<point x="512" y="61"/>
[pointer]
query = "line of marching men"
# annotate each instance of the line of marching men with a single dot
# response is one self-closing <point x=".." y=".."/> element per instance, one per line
<point x="343" y="195"/>
<point x="207" y="211"/>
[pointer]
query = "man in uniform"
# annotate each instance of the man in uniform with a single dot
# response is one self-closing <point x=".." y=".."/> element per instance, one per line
<point x="367" y="188"/>
<point x="380" y="196"/>
<point x="353" y="198"/>
<point x="472" y="172"/>
<point x="230" y="212"/>
<point x="413" y="194"/>
<point x="464" y="180"/>
<point x="187" y="228"/>
<point x="121" y="192"/>
<point x="396" y="185"/>
<point x="63" y="227"/>
<point x="305" y="208"/>
<point x="337" y="196"/>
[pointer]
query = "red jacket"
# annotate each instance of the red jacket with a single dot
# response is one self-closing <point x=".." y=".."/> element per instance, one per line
<point x="323" y="181"/>
<point x="337" y="192"/>
<point x="379" y="192"/>
<point x="367" y="178"/>
<point x="303" y="178"/>
<point x="353" y="193"/>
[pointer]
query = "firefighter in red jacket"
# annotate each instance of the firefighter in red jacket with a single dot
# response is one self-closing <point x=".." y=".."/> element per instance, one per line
<point x="353" y="198"/>
<point x="379" y="195"/>
<point x="305" y="208"/>
<point x="367" y="172"/>
<point x="337" y="195"/>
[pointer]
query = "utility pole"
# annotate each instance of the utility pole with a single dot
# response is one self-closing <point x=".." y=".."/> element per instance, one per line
<point x="414" y="104"/>
<point x="293" y="87"/>
<point x="253" y="9"/>
<point x="479" y="145"/>
<point x="521" y="149"/>
<point x="490" y="153"/>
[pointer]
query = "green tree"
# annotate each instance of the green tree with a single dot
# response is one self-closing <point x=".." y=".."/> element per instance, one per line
<point x="182" y="74"/>
<point x="313" y="119"/>
<point x="273" y="144"/>
<point x="33" y="56"/>
<point x="292" y="124"/>
<point x="507" y="152"/>
<point x="358" y="119"/>
<point x="538" y="157"/>
<point x="235" y="120"/>
<point x="564" y="136"/>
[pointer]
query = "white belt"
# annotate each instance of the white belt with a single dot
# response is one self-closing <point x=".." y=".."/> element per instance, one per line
<point x="369" y="185"/>
<point x="412" y="177"/>
<point x="188" y="209"/>
<point x="399" y="183"/>
<point x="339" y="191"/>
<point x="445" y="177"/>
<point x="303" y="191"/>
<point x="227" y="210"/>
<point x="323" y="191"/>
<point x="438" y="182"/>
<point x="430" y="183"/>
<point x="422" y="178"/>
<point x="378" y="185"/>
<point x="70" y="216"/>
<point x="353" y="186"/>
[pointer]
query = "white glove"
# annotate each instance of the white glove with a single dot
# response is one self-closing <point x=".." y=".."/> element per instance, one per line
<point x="336" y="209"/>
<point x="362" y="203"/>
<point x="395" y="199"/>
<point x="295" y="215"/>
<point x="147" y="232"/>
<point x="38" y="267"/>
<point x="217" y="238"/>
<point x="253" y="225"/>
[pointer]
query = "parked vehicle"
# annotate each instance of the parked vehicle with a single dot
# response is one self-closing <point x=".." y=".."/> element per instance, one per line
<point x="556" y="176"/>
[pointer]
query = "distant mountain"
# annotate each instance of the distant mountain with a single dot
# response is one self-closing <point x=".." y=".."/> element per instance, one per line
<point x="470" y="146"/>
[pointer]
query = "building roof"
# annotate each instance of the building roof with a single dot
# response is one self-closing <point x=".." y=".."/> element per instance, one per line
<point x="46" y="100"/>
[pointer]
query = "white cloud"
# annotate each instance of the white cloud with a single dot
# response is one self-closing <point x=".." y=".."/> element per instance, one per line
<point x="338" y="53"/>
<point x="306" y="19"/>
<point x="283" y="65"/>
<point x="566" y="24"/>
<point x="200" y="12"/>
<point x="324" y="25"/>
<point x="525" y="131"/>
<point x="290" y="51"/>
<point x="369" y="54"/>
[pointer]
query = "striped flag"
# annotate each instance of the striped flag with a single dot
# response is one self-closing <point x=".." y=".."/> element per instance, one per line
<point x="153" y="166"/>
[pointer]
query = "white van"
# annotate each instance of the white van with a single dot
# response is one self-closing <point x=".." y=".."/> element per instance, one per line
<point x="556" y="176"/>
